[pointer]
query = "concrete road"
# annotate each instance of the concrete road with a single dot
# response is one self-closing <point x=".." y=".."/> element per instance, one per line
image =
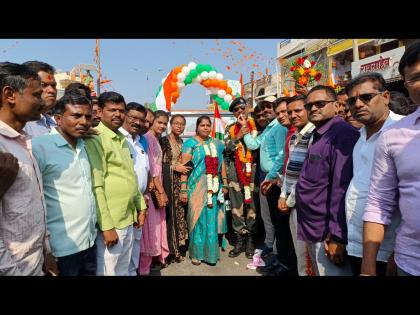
<point x="225" y="267"/>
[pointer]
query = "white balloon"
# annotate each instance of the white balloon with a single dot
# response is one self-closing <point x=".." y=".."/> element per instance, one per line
<point x="221" y="93"/>
<point x="163" y="80"/>
<point x="185" y="70"/>
<point x="180" y="85"/>
<point x="213" y="90"/>
<point x="219" y="76"/>
<point x="228" y="98"/>
<point x="212" y="74"/>
<point x="192" y="65"/>
<point x="198" y="79"/>
<point x="181" y="77"/>
<point x="204" y="75"/>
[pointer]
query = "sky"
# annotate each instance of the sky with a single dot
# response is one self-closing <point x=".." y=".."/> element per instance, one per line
<point x="137" y="66"/>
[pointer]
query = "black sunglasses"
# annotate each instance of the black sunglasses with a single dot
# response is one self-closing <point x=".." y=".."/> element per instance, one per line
<point x="317" y="104"/>
<point x="238" y="108"/>
<point x="365" y="98"/>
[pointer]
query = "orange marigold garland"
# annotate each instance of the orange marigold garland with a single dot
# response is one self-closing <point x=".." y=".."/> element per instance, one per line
<point x="244" y="159"/>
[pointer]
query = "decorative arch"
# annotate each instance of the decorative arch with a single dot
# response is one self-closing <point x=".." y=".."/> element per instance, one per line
<point x="204" y="74"/>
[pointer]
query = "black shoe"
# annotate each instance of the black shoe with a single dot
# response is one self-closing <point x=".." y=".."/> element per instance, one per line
<point x="266" y="251"/>
<point x="250" y="248"/>
<point x="239" y="246"/>
<point x="274" y="264"/>
<point x="279" y="271"/>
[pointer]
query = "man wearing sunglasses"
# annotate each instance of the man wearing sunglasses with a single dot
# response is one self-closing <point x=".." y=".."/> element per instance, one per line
<point x="369" y="104"/>
<point x="243" y="215"/>
<point x="395" y="182"/>
<point x="271" y="144"/>
<point x="344" y="111"/>
<point x="322" y="184"/>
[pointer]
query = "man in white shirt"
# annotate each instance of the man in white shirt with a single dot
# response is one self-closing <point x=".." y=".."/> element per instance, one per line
<point x="368" y="103"/>
<point x="132" y="127"/>
<point x="24" y="246"/>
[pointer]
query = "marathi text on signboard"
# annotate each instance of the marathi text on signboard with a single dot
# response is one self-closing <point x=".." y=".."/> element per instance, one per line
<point x="385" y="64"/>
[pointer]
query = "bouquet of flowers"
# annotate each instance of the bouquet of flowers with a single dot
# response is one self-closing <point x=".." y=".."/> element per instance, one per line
<point x="305" y="71"/>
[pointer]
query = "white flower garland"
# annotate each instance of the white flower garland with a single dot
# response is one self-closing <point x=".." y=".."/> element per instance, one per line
<point x="212" y="182"/>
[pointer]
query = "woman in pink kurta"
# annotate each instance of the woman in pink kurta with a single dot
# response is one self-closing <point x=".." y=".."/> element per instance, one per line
<point x="154" y="241"/>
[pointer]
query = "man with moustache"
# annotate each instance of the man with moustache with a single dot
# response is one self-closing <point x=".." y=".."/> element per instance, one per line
<point x="322" y="184"/>
<point x="344" y="111"/>
<point x="66" y="175"/>
<point x="134" y="121"/>
<point x="49" y="97"/>
<point x="243" y="214"/>
<point x="271" y="144"/>
<point x="369" y="104"/>
<point x="298" y="147"/>
<point x="96" y="112"/>
<point x="119" y="202"/>
<point x="24" y="246"/>
<point x="395" y="181"/>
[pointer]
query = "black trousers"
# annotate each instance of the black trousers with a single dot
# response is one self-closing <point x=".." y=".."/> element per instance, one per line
<point x="284" y="241"/>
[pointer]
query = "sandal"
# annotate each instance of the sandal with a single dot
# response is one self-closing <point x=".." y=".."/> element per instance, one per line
<point x="195" y="262"/>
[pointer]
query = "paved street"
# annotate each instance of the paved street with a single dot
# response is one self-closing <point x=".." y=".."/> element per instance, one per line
<point x="225" y="267"/>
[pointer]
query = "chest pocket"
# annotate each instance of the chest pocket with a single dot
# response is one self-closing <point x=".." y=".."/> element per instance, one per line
<point x="316" y="167"/>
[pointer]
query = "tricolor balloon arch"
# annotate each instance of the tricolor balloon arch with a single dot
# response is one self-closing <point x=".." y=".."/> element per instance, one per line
<point x="179" y="77"/>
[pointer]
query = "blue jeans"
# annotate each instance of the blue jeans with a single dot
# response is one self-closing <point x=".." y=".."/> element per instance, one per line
<point x="79" y="264"/>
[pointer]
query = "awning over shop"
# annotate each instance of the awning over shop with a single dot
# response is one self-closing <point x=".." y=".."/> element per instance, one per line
<point x="345" y="45"/>
<point x="292" y="47"/>
<point x="310" y="46"/>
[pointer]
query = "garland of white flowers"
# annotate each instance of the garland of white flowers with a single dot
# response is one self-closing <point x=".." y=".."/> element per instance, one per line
<point x="212" y="178"/>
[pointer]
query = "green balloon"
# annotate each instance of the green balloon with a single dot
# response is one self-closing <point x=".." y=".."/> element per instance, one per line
<point x="225" y="105"/>
<point x="199" y="68"/>
<point x="207" y="68"/>
<point x="193" y="74"/>
<point x="188" y="80"/>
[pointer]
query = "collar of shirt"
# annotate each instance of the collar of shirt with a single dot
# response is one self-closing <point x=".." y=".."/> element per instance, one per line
<point x="8" y="131"/>
<point x="108" y="132"/>
<point x="49" y="121"/>
<point x="61" y="142"/>
<point x="21" y="136"/>
<point x="128" y="135"/>
<point x="324" y="128"/>
<point x="273" y="123"/>
<point x="392" y="117"/>
<point x="308" y="127"/>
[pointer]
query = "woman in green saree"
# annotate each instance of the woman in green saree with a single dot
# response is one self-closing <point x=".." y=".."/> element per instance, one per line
<point x="206" y="218"/>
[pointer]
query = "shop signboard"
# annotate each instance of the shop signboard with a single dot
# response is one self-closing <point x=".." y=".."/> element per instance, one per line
<point x="385" y="63"/>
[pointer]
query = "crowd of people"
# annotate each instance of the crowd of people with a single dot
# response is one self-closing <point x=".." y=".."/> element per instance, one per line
<point x="97" y="186"/>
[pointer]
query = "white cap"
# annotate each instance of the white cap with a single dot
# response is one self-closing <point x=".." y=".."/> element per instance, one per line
<point x="270" y="99"/>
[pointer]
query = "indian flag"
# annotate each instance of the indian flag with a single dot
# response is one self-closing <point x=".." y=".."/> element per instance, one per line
<point x="218" y="131"/>
<point x="163" y="97"/>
